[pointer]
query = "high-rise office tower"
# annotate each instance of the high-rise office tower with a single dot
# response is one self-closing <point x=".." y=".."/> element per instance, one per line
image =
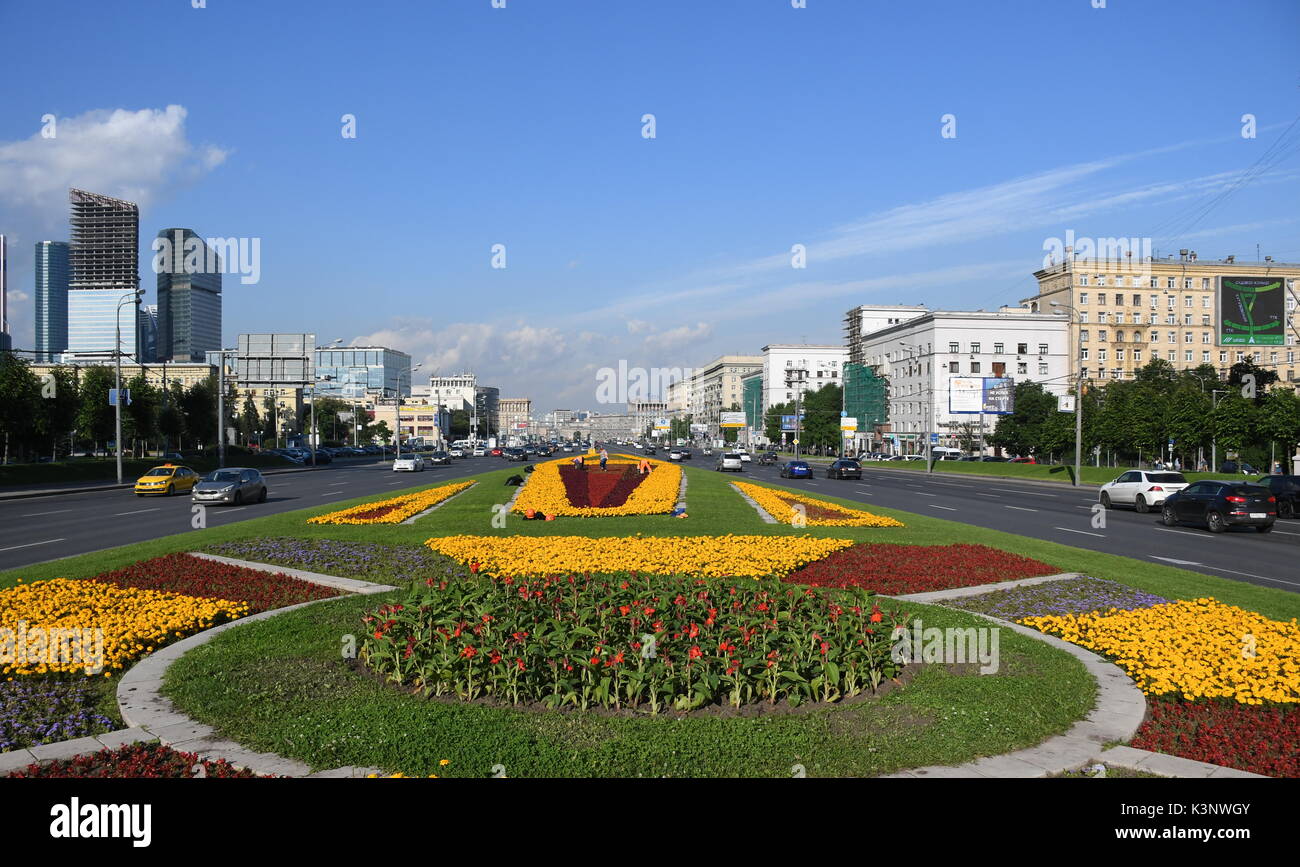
<point x="189" y="296"/>
<point x="104" y="257"/>
<point x="51" y="300"/>
<point x="149" y="334"/>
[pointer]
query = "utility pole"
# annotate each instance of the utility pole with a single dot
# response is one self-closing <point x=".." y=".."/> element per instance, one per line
<point x="1078" y="397"/>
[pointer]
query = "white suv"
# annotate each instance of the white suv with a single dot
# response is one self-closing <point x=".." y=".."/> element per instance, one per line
<point x="1141" y="489"/>
<point x="730" y="461"/>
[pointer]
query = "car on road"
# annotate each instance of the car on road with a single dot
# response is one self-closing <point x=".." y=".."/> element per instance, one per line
<point x="796" y="470"/>
<point x="648" y="450"/>
<point x="457" y="452"/>
<point x="497" y="452"/>
<point x="516" y="455"/>
<point x="730" y="461"/>
<point x="686" y="454"/>
<point x="440" y="458"/>
<point x="1220" y="504"/>
<point x="745" y="456"/>
<point x="479" y="452"/>
<point x="166" y="480"/>
<point x="232" y="486"/>
<point x="768" y="459"/>
<point x="844" y="468"/>
<point x="1141" y="489"/>
<point x="675" y="455"/>
<point x="408" y="463"/>
<point x="1287" y="491"/>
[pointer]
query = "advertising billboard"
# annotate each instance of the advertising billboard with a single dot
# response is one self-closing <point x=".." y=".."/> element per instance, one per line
<point x="275" y="359"/>
<point x="732" y="419"/>
<point x="787" y="422"/>
<point x="1252" y="311"/>
<point x="991" y="395"/>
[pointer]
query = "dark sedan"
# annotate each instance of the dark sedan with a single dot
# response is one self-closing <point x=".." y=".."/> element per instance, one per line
<point x="796" y="470"/>
<point x="1220" y="505"/>
<point x="844" y="468"/>
<point x="1287" y="491"/>
<point x="440" y="457"/>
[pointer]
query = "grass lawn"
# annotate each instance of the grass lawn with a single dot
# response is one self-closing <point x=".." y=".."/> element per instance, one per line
<point x="243" y="680"/>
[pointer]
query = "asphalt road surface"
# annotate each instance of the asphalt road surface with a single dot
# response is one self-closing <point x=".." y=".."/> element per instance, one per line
<point x="36" y="529"/>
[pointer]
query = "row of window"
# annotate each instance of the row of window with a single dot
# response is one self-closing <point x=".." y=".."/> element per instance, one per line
<point x="1189" y="356"/>
<point x="1085" y="336"/>
<point x="1022" y="367"/>
<point x="1171" y="301"/>
<point x="1105" y="318"/>
<point x="998" y="348"/>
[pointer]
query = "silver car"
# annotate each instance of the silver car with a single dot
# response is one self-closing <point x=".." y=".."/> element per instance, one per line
<point x="730" y="462"/>
<point x="231" y="486"/>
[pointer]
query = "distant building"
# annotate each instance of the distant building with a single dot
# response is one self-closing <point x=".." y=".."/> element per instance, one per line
<point x="189" y="295"/>
<point x="487" y="410"/>
<point x="104" y="268"/>
<point x="356" y="370"/>
<point x="51" y="304"/>
<point x="149" y="334"/>
<point x="515" y="415"/>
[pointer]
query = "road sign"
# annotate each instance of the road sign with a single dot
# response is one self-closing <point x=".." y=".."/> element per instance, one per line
<point x="112" y="396"/>
<point x="934" y="439"/>
<point x="844" y="413"/>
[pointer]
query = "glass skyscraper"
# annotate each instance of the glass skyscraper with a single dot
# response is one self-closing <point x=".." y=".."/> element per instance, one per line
<point x="51" y="300"/>
<point x="104" y="260"/>
<point x="189" y="295"/>
<point x="377" y="370"/>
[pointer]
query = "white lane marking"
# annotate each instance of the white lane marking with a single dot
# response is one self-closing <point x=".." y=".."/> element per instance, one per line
<point x="994" y="496"/>
<point x="228" y="511"/>
<point x="1176" y="560"/>
<point x="136" y="512"/>
<point x="1020" y="508"/>
<point x="1084" y="532"/>
<point x="1188" y="533"/>
<point x="30" y="545"/>
<point x="937" y="506"/>
<point x="925" y="494"/>
<point x="38" y="514"/>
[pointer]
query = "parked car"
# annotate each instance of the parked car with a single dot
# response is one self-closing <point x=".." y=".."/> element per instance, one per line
<point x="730" y="461"/>
<point x="1024" y="460"/>
<point x="173" y="456"/>
<point x="166" y="480"/>
<point x="1221" y="504"/>
<point x="440" y="458"/>
<point x="796" y="470"/>
<point x="911" y="457"/>
<point x="992" y="459"/>
<point x="970" y="458"/>
<point x="844" y="468"/>
<point x="408" y="463"/>
<point x="232" y="486"/>
<point x="1287" y="491"/>
<point x="1141" y="489"/>
<point x="1234" y="467"/>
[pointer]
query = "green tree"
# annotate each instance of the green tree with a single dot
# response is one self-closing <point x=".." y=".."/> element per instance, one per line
<point x="171" y="421"/>
<point x="1233" y="421"/>
<point x="1023" y="431"/>
<point x="20" y="392"/>
<point x="458" y="426"/>
<point x="1279" y="420"/>
<point x="57" y="411"/>
<point x="772" y="420"/>
<point x="198" y="404"/>
<point x="96" y="419"/>
<point x="1263" y="378"/>
<point x="249" y="420"/>
<point x="384" y="432"/>
<point x="140" y="418"/>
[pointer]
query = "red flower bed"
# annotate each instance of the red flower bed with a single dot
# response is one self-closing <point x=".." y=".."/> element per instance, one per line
<point x="1261" y="739"/>
<point x="133" y="761"/>
<point x="597" y="488"/>
<point x="195" y="576"/>
<point x="893" y="570"/>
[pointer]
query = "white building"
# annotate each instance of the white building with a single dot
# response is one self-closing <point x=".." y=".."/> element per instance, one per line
<point x="936" y="364"/>
<point x="791" y="369"/>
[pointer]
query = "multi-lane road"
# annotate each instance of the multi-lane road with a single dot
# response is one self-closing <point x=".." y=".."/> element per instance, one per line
<point x="1066" y="515"/>
<point x="36" y="529"/>
<point x="44" y="528"/>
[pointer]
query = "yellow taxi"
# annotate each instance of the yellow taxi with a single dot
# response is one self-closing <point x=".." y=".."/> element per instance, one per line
<point x="167" y="480"/>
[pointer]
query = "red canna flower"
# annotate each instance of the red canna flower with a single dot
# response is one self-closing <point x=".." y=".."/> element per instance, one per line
<point x="469" y="652"/>
<point x="695" y="652"/>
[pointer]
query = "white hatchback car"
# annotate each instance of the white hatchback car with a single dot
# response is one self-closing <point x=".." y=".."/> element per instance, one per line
<point x="1141" y="489"/>
<point x="730" y="462"/>
<point x="408" y="463"/>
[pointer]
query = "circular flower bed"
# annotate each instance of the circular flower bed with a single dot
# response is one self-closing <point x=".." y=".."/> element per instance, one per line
<point x="642" y="642"/>
<point x="134" y="761"/>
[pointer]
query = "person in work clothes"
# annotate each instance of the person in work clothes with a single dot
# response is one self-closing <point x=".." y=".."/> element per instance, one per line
<point x="604" y="457"/>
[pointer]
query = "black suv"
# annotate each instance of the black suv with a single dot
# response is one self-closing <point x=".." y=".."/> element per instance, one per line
<point x="844" y="468"/>
<point x="1219" y="505"/>
<point x="1287" y="491"/>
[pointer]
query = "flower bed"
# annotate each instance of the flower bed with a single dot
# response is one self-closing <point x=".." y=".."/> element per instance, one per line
<point x="384" y="564"/>
<point x="195" y="576"/>
<point x="791" y="508"/>
<point x="1067" y="596"/>
<point x="1195" y="649"/>
<point x="893" y="570"/>
<point x="134" y="622"/>
<point x="133" y="761"/>
<point x="714" y="556"/>
<point x="35" y="711"/>
<point x="394" y="510"/>
<point x="653" y="494"/>
<point x="638" y="642"/>
<point x="1252" y="738"/>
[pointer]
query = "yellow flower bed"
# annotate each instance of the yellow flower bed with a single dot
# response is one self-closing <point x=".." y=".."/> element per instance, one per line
<point x="134" y="622"/>
<point x="780" y="505"/>
<point x="398" y="508"/>
<point x="656" y="495"/>
<point x="1196" y="649"/>
<point x="713" y="556"/>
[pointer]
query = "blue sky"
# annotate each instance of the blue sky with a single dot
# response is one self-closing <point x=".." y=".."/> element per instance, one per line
<point x="522" y="126"/>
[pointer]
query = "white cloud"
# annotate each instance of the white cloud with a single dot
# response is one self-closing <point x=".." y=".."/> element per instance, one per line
<point x="675" y="338"/>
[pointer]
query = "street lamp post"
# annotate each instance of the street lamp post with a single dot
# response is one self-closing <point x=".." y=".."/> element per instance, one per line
<point x="132" y="298"/>
<point x="1078" y="399"/>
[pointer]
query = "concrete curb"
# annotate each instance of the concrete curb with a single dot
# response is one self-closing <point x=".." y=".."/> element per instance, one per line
<point x="762" y="513"/>
<point x="938" y="596"/>
<point x="681" y="491"/>
<point x="151" y="717"/>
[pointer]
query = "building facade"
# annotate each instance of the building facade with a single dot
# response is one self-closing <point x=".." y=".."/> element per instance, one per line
<point x="51" y="302"/>
<point x="104" y="268"/>
<point x="933" y="362"/>
<point x="716" y="386"/>
<point x="868" y="318"/>
<point x="352" y="371"/>
<point x="515" y="415"/>
<point x="1128" y="313"/>
<point x="791" y="370"/>
<point x="189" y="295"/>
<point x="487" y="411"/>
